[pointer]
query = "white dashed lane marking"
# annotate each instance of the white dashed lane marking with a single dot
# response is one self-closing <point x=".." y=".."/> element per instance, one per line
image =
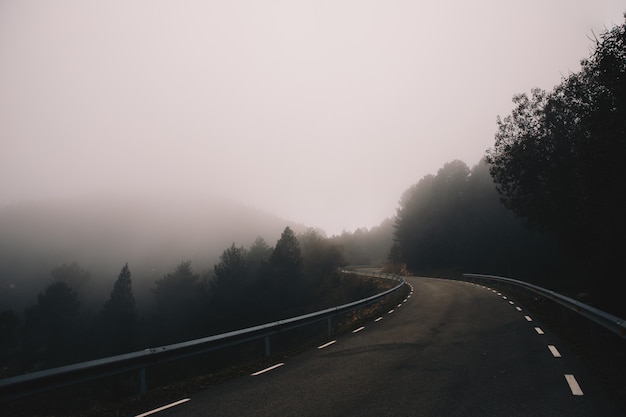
<point x="165" y="407"/>
<point x="267" y="369"/>
<point x="571" y="380"/>
<point x="327" y="344"/>
<point x="555" y="352"/>
<point x="573" y="384"/>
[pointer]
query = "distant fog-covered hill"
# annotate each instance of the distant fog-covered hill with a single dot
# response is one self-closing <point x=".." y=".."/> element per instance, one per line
<point x="153" y="234"/>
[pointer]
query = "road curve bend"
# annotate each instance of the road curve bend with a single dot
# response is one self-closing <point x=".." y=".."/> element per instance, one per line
<point x="451" y="349"/>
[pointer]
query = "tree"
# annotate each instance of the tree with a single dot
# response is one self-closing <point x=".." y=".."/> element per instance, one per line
<point x="429" y="219"/>
<point x="178" y="305"/>
<point x="286" y="260"/>
<point x="9" y="323"/>
<point x="258" y="254"/>
<point x="557" y="159"/>
<point x="453" y="222"/>
<point x="230" y="276"/>
<point x="119" y="316"/>
<point x="281" y="278"/>
<point x="52" y="329"/>
<point x="320" y="257"/>
<point x="72" y="274"/>
<point x="366" y="247"/>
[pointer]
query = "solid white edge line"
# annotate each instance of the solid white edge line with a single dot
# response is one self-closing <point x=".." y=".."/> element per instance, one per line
<point x="573" y="384"/>
<point x="555" y="352"/>
<point x="358" y="330"/>
<point x="267" y="369"/>
<point x="165" y="407"/>
<point x="327" y="344"/>
<point x="538" y="330"/>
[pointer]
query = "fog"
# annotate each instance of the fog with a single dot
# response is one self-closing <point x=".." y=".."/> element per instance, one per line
<point x="321" y="113"/>
<point x="101" y="234"/>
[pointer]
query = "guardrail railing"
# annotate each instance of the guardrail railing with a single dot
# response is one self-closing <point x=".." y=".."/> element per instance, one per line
<point x="50" y="379"/>
<point x="606" y="320"/>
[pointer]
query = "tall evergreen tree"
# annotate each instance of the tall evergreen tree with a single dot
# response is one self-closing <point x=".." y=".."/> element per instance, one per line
<point x="258" y="254"/>
<point x="229" y="275"/>
<point x="286" y="260"/>
<point x="119" y="316"/>
<point x="284" y="271"/>
<point x="178" y="305"/>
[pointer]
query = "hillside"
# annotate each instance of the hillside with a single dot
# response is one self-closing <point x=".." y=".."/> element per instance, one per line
<point x="100" y="234"/>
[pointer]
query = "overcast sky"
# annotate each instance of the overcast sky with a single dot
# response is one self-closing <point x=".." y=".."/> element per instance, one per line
<point x="322" y="112"/>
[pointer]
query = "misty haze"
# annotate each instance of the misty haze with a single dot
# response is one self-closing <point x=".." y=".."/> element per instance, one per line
<point x="174" y="170"/>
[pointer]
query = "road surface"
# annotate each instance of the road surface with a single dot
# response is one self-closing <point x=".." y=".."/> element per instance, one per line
<point x="451" y="349"/>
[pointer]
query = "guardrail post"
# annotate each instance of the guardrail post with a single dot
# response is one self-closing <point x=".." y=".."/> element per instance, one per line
<point x="143" y="383"/>
<point x="268" y="351"/>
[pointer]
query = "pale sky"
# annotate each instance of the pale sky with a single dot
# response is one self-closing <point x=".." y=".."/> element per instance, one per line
<point x="322" y="112"/>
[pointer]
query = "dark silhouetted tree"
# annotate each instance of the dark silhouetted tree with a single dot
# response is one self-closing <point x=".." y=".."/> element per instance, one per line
<point x="119" y="316"/>
<point x="9" y="322"/>
<point x="557" y="160"/>
<point x="320" y="257"/>
<point x="52" y="328"/>
<point x="230" y="277"/>
<point x="281" y="278"/>
<point x="429" y="219"/>
<point x="258" y="254"/>
<point x="286" y="260"/>
<point x="454" y="222"/>
<point x="178" y="305"/>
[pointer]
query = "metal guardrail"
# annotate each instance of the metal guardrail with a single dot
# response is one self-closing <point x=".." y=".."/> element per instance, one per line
<point x="50" y="379"/>
<point x="606" y="320"/>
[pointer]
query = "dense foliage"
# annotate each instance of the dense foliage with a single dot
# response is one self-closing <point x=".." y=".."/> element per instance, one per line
<point x="557" y="161"/>
<point x="246" y="287"/>
<point x="453" y="222"/>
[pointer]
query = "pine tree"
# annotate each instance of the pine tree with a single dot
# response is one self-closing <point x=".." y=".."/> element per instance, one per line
<point x="286" y="260"/>
<point x="119" y="316"/>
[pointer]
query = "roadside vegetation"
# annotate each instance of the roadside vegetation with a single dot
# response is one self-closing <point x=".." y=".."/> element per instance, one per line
<point x="545" y="205"/>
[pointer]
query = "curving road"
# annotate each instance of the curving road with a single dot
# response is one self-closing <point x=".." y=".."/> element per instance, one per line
<point x="451" y="349"/>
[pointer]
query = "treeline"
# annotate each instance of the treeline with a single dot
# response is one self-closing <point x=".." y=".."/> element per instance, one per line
<point x="557" y="167"/>
<point x="367" y="246"/>
<point x="454" y="222"/>
<point x="150" y="232"/>
<point x="557" y="162"/>
<point x="246" y="287"/>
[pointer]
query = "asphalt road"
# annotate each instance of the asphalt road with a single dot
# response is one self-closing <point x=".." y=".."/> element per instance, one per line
<point x="452" y="349"/>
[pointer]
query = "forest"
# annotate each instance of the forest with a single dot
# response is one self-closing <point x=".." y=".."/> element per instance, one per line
<point x="544" y="205"/>
<point x="247" y="286"/>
